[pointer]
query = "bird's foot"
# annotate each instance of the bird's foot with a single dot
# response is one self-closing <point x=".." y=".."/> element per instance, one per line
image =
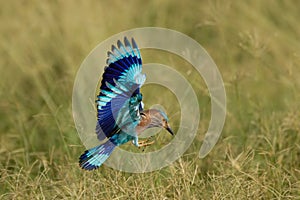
<point x="144" y="143"/>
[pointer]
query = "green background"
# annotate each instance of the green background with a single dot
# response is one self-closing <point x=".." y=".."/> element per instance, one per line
<point x="255" y="44"/>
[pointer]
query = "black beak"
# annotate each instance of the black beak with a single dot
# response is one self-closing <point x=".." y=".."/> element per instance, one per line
<point x="168" y="128"/>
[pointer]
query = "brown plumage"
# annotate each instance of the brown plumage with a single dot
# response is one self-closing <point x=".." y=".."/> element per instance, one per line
<point x="153" y="118"/>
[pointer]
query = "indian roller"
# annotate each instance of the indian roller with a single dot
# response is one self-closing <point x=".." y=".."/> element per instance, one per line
<point x="120" y="110"/>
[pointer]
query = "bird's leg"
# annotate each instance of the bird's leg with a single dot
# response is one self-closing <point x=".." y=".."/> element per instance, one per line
<point x="135" y="141"/>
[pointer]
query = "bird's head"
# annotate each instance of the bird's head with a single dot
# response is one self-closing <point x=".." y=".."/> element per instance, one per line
<point x="158" y="118"/>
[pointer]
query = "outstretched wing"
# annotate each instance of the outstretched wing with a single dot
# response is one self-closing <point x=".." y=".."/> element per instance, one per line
<point x="119" y="101"/>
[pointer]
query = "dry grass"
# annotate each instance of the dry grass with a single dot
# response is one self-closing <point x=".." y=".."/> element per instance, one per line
<point x="256" y="46"/>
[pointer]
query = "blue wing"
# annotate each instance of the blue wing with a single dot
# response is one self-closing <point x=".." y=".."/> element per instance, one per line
<point x="119" y="101"/>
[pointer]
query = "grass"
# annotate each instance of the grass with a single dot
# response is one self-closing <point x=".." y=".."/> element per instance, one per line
<point x="256" y="46"/>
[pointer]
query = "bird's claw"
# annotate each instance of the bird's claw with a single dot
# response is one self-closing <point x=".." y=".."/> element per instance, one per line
<point x="147" y="142"/>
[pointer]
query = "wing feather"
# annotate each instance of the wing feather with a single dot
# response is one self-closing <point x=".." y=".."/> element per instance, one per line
<point x="120" y="85"/>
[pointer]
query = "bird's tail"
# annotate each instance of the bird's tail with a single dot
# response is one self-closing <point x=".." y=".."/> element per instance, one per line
<point x="95" y="157"/>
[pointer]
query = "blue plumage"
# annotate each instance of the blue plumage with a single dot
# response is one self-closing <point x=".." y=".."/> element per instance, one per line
<point x="121" y="80"/>
<point x="118" y="103"/>
<point x="93" y="158"/>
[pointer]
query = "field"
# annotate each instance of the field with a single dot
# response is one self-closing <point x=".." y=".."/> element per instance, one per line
<point x="255" y="44"/>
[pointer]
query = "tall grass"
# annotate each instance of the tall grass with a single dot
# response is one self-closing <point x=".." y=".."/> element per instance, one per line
<point x="254" y="43"/>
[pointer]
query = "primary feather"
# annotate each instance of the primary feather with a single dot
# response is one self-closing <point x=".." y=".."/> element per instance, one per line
<point x="121" y="81"/>
<point x="118" y="104"/>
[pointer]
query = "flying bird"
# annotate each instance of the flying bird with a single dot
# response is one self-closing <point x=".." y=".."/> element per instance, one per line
<point x="120" y="110"/>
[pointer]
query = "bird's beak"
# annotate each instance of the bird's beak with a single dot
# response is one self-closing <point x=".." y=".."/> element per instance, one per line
<point x="168" y="128"/>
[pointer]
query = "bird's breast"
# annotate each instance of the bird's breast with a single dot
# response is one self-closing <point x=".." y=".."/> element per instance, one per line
<point x="143" y="125"/>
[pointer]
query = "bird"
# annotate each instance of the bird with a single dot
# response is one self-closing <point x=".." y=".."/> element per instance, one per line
<point x="120" y="111"/>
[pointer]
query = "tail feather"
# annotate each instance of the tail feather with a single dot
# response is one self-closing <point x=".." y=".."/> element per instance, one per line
<point x="95" y="157"/>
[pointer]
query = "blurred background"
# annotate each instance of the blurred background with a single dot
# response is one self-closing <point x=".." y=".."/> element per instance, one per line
<point x="255" y="44"/>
